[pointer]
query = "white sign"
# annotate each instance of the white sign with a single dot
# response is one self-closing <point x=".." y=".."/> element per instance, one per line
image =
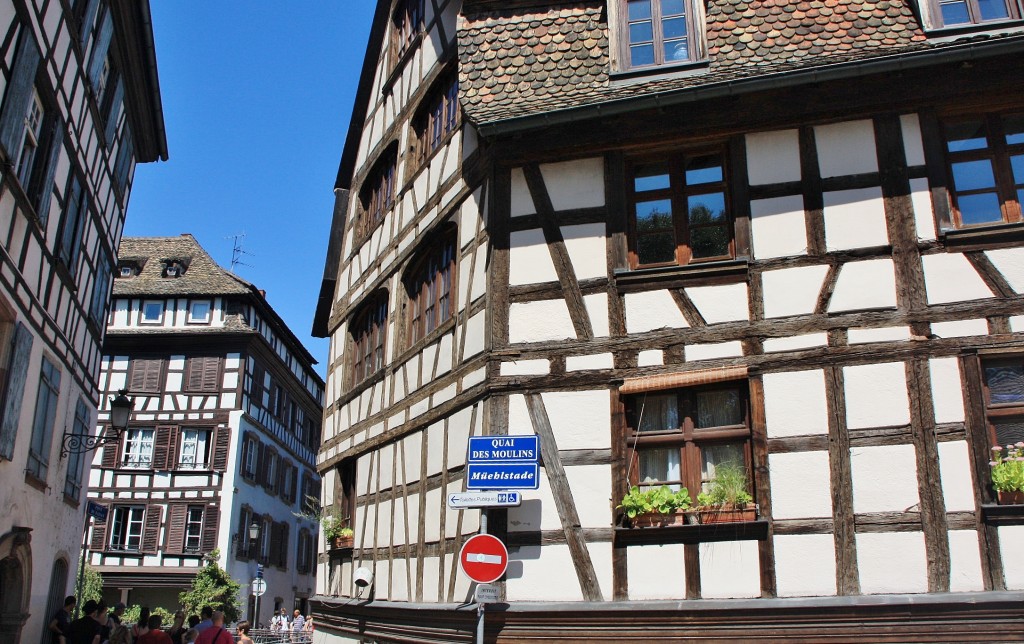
<point x="487" y="594"/>
<point x="259" y="586"/>
<point x="489" y="499"/>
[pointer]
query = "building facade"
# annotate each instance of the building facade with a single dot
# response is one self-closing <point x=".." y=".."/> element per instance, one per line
<point x="675" y="239"/>
<point x="221" y="439"/>
<point x="80" y="107"/>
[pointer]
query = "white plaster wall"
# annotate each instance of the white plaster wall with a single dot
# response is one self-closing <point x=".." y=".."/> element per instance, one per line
<point x="947" y="391"/>
<point x="575" y="184"/>
<point x="884" y="478"/>
<point x="795" y="342"/>
<point x="1009" y="262"/>
<point x="539" y="321"/>
<point x="924" y="217"/>
<point x="525" y="367"/>
<point x="696" y="352"/>
<point x="773" y="157"/>
<point x="1010" y="538"/>
<point x="949" y="277"/>
<point x="960" y="328"/>
<point x="650" y="358"/>
<point x="805" y="565"/>
<point x="716" y="304"/>
<point x="579" y="419"/>
<point x="893" y="562"/>
<point x="729" y="569"/>
<point x="652" y="310"/>
<point x="656" y="572"/>
<point x="964" y="561"/>
<point x="521" y="202"/>
<point x="529" y="258"/>
<point x="876" y="395"/>
<point x="585" y="244"/>
<point x="794" y="403"/>
<point x="881" y="334"/>
<point x="777" y="227"/>
<point x="584" y="363"/>
<point x="846" y="148"/>
<point x="597" y="309"/>
<point x="855" y="219"/>
<point x="591" y="487"/>
<point x="955" y="473"/>
<point x="792" y="291"/>
<point x="519" y="422"/>
<point x="548" y="573"/>
<point x="800" y="485"/>
<point x="910" y="127"/>
<point x="870" y="284"/>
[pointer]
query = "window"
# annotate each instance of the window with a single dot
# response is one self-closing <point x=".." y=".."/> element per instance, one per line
<point x="264" y="539"/>
<point x="679" y="210"/>
<point x="123" y="162"/>
<point x="42" y="423"/>
<point x="952" y="13"/>
<point x="310" y="494"/>
<point x="428" y="285"/>
<point x="677" y="438"/>
<point x="194" y="454"/>
<point x="82" y="427"/>
<point x="368" y="329"/>
<point x="99" y="62"/>
<point x="1004" y="400"/>
<point x="377" y="194"/>
<point x="146" y="375"/>
<point x="152" y="312"/>
<point x="656" y="32"/>
<point x="347" y="498"/>
<point x="405" y="27"/>
<point x="288" y="482"/>
<point x="100" y="291"/>
<point x="30" y="140"/>
<point x="986" y="166"/>
<point x="249" y="449"/>
<point x="138" y="449"/>
<point x="203" y="374"/>
<point x="302" y="555"/>
<point x="126" y="528"/>
<point x="272" y="473"/>
<point x="194" y="528"/>
<point x="439" y="115"/>
<point x="245" y="544"/>
<point x="76" y="210"/>
<point x="199" y="311"/>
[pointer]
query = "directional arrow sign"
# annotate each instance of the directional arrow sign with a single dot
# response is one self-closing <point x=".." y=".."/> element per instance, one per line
<point x="460" y="500"/>
<point x="484" y="558"/>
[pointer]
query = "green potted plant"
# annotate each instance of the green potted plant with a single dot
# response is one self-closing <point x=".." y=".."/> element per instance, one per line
<point x="1008" y="473"/>
<point x="337" y="533"/>
<point x="726" y="499"/>
<point x="655" y="506"/>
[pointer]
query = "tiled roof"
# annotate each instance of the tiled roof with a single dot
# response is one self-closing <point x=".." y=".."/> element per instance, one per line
<point x="520" y="62"/>
<point x="202" y="275"/>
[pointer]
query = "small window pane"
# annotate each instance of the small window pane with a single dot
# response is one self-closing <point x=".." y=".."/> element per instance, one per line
<point x="641" y="32"/>
<point x="973" y="175"/>
<point x="641" y="55"/>
<point x="955" y="13"/>
<point x="967" y="135"/>
<point x="657" y="413"/>
<point x="712" y="241"/>
<point x="655" y="249"/>
<point x="706" y="169"/>
<point x="719" y="408"/>
<point x="653" y="215"/>
<point x="992" y="9"/>
<point x="651" y="177"/>
<point x="714" y="455"/>
<point x="659" y="465"/>
<point x="676" y="50"/>
<point x="639" y="9"/>
<point x="1009" y="432"/>
<point x="979" y="209"/>
<point x="674" y="27"/>
<point x="1005" y="384"/>
<point x="1017" y="163"/>
<point x="706" y="209"/>
<point x="1014" y="127"/>
<point x="672" y="7"/>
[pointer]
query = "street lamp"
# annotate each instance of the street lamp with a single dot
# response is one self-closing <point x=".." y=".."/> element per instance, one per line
<point x="120" y="409"/>
<point x="254" y="532"/>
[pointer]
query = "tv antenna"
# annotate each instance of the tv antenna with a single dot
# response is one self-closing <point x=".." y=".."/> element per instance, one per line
<point x="237" y="251"/>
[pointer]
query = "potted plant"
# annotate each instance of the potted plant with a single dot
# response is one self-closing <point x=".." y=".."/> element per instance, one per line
<point x="655" y="506"/>
<point x="726" y="499"/>
<point x="1008" y="473"/>
<point x="336" y="533"/>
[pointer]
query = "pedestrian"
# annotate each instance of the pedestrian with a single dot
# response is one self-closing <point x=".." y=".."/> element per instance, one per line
<point x="297" y="623"/>
<point x="117" y="616"/>
<point x="307" y="627"/>
<point x="191" y="635"/>
<point x="120" y="635"/>
<point x="87" y="628"/>
<point x="193" y="621"/>
<point x="243" y="632"/>
<point x="60" y="621"/>
<point x="279" y="622"/>
<point x="178" y="627"/>
<point x="207" y="619"/>
<point x="142" y="626"/>
<point x="153" y="634"/>
<point x="215" y="633"/>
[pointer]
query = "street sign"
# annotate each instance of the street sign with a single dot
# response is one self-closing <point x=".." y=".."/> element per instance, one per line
<point x="484" y="558"/>
<point x="259" y="586"/>
<point x="460" y="500"/>
<point x="487" y="594"/>
<point x="502" y="476"/>
<point x="97" y="511"/>
<point x="504" y="449"/>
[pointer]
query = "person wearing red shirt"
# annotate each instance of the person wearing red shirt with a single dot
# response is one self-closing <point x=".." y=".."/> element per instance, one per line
<point x="154" y="635"/>
<point x="216" y="634"/>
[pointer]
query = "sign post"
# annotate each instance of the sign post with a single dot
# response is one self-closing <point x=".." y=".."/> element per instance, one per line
<point x="484" y="558"/>
<point x="95" y="511"/>
<point x="259" y="586"/>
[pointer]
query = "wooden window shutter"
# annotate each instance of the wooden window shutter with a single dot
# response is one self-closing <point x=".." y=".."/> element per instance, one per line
<point x="19" y="93"/>
<point x="211" y="374"/>
<point x="283" y="472"/>
<point x="98" y="542"/>
<point x="162" y="448"/>
<point x="151" y="529"/>
<point x="100" y="46"/>
<point x="275" y="543"/>
<point x="46" y="186"/>
<point x="17" y="374"/>
<point x="261" y="463"/>
<point x="111" y="449"/>
<point x="268" y="480"/>
<point x="242" y="552"/>
<point x="211" y="521"/>
<point x="146" y="375"/>
<point x="177" y="514"/>
<point x="221" y="444"/>
<point x="282" y="552"/>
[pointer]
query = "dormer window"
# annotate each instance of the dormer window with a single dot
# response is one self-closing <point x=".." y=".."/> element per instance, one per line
<point x="957" y="13"/>
<point x="127" y="271"/>
<point x="174" y="268"/>
<point x="654" y="33"/>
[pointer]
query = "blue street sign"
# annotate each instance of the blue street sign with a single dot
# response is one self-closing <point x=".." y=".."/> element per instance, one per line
<point x="97" y="511"/>
<point x="502" y="476"/>
<point x="504" y="449"/>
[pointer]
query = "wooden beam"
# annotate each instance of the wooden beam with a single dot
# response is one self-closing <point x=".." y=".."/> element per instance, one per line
<point x="847" y="575"/>
<point x="762" y="484"/>
<point x="686" y="306"/>
<point x="814" y="204"/>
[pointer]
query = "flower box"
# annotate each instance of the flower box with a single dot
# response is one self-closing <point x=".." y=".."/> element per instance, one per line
<point x="727" y="514"/>
<point x="1015" y="497"/>
<point x="660" y="520"/>
<point x="341" y="542"/>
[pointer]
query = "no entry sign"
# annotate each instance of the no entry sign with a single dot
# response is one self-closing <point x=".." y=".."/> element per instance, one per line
<point x="484" y="558"/>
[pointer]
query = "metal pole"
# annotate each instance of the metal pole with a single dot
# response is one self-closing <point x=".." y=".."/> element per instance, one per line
<point x="479" y="606"/>
<point x="81" y="567"/>
<point x="256" y="621"/>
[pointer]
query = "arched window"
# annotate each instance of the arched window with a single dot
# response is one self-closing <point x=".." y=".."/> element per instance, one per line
<point x="430" y="286"/>
<point x="438" y="116"/>
<point x="58" y="588"/>
<point x="368" y="330"/>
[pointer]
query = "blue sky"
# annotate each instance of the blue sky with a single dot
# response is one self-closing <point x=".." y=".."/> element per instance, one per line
<point x="257" y="97"/>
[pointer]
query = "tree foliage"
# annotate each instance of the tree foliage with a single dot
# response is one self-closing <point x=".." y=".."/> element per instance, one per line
<point x="213" y="587"/>
<point x="92" y="585"/>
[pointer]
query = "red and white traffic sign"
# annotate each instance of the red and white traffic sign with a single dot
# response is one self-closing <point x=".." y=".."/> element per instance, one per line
<point x="484" y="558"/>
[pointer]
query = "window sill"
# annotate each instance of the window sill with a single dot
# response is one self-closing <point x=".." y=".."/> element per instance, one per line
<point x="1003" y="514"/>
<point x="654" y="72"/>
<point x="734" y="270"/>
<point x="958" y="31"/>
<point x="700" y="533"/>
<point x="995" y="233"/>
<point x="70" y="500"/>
<point x="34" y="481"/>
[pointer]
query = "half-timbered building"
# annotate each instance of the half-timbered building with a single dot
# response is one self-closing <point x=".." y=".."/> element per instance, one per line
<point x="222" y="436"/>
<point x="80" y="107"/>
<point x="668" y="236"/>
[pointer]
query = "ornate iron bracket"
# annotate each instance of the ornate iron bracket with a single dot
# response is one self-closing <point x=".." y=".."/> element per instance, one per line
<point x="120" y="409"/>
